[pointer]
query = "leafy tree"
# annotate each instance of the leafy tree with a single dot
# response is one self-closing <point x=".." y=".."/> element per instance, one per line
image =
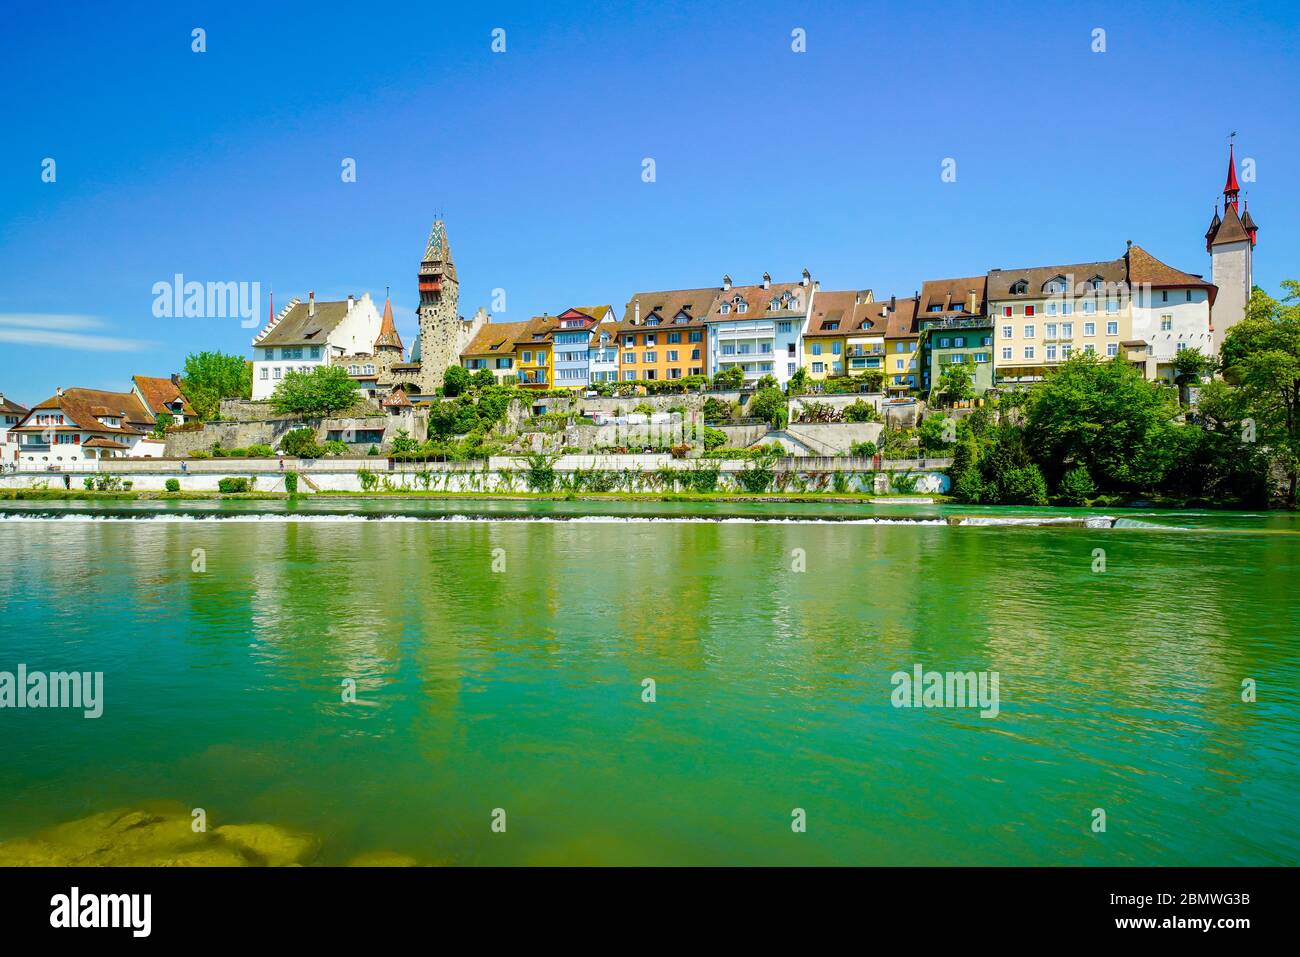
<point x="769" y="404"/>
<point x="861" y="411"/>
<point x="324" y="391"/>
<point x="957" y="381"/>
<point x="1076" y="486"/>
<point x="799" y="381"/>
<point x="482" y="379"/>
<point x="209" y="377"/>
<point x="301" y="443"/>
<point x="1261" y="354"/>
<point x="455" y="381"/>
<point x="715" y="409"/>
<point x="766" y="381"/>
<point x="1104" y="416"/>
<point x="160" y="423"/>
<point x="730" y="378"/>
<point x="934" y="432"/>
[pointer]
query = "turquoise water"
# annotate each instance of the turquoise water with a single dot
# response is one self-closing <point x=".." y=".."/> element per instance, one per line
<point x="521" y="688"/>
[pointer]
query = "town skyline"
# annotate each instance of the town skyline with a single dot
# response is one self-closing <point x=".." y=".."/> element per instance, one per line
<point x="857" y="198"/>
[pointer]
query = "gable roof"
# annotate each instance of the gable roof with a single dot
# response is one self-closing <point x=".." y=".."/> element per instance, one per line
<point x="839" y="313"/>
<point x="537" y="330"/>
<point x="494" y="338"/>
<point x="160" y="393"/>
<point x="758" y="300"/>
<point x="1113" y="272"/>
<point x="949" y="294"/>
<point x="11" y="407"/>
<point x="667" y="305"/>
<point x="1145" y="269"/>
<point x="900" y="322"/>
<point x="82" y="406"/>
<point x="295" y="327"/>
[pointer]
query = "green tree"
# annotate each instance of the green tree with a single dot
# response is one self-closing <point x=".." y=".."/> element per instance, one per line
<point x="1104" y="416"/>
<point x="483" y="378"/>
<point x="1261" y="354"/>
<point x="455" y="381"/>
<point x="325" y="390"/>
<point x="799" y="381"/>
<point x="301" y="443"/>
<point x="730" y="378"/>
<point x="766" y="381"/>
<point x="769" y="404"/>
<point x="160" y="423"/>
<point x="1076" y="486"/>
<point x="957" y="381"/>
<point x="209" y="377"/>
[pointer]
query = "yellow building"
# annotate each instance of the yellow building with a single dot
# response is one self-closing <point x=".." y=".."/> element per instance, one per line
<point x="493" y="348"/>
<point x="902" y="334"/>
<point x="535" y="354"/>
<point x="845" y="335"/>
<point x="663" y="335"/>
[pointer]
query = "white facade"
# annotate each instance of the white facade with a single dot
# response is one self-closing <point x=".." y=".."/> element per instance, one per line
<point x="1230" y="270"/>
<point x="759" y="343"/>
<point x="602" y="353"/>
<point x="1170" y="320"/>
<point x="354" y="333"/>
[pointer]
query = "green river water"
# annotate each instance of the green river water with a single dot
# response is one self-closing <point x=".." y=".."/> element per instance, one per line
<point x="521" y="687"/>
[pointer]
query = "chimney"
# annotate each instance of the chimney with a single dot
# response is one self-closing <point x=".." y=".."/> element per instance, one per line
<point x="973" y="302"/>
<point x="726" y="283"/>
<point x="176" y="379"/>
<point x="767" y="280"/>
<point x="807" y="278"/>
<point x="893" y="303"/>
<point x="58" y="391"/>
<point x="351" y="302"/>
<point x="311" y="303"/>
<point x="817" y="284"/>
<point x="636" y="316"/>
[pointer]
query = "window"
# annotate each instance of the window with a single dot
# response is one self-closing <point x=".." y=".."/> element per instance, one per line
<point x="1050" y="332"/>
<point x="674" y="337"/>
<point x="830" y="326"/>
<point x="315" y="352"/>
<point x="672" y="355"/>
<point x="651" y="339"/>
<point x="652" y="357"/>
<point x="959" y="342"/>
<point x="1029" y="352"/>
<point x="816" y="348"/>
<point x="1181" y="346"/>
<point x="789" y="368"/>
<point x="695" y="335"/>
<point x="1051" y="352"/>
<point x="527" y="357"/>
<point x="1166" y="323"/>
<point x="1029" y="310"/>
<point x="1051" y="308"/>
<point x="629" y="376"/>
<point x="651" y="375"/>
<point x="724" y="308"/>
<point x="265" y="373"/>
<point x="1067" y="308"/>
<point x="986" y="341"/>
<point x="1112" y="306"/>
<point x="1164" y="295"/>
<point x="1020" y="288"/>
<point x="784" y="327"/>
<point x="1089" y="306"/>
<point x="1189" y="295"/>
<point x="837" y="348"/>
<point x="819" y="367"/>
<point x="1006" y="310"/>
<point x="1067" y="330"/>
<point x="1029" y="332"/>
<point x="629" y="341"/>
<point x="1089" y="328"/>
<point x="944" y="343"/>
<point x="1112" y="328"/>
<point x="695" y="354"/>
<point x="1112" y="348"/>
<point x="981" y="357"/>
<point x="629" y="358"/>
<point x="1007" y="332"/>
<point x="275" y="373"/>
<point x="789" y="349"/>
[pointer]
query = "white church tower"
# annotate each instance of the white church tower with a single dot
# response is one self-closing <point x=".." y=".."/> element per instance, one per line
<point x="1230" y="241"/>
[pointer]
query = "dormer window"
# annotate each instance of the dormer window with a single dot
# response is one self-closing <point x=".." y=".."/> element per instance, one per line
<point x="1055" y="286"/>
<point x="831" y="326"/>
<point x="652" y="321"/>
<point x="724" y="308"/>
<point x="1096" y="282"/>
<point x="1019" y="287"/>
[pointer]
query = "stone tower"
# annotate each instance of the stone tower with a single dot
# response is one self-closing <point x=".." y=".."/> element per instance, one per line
<point x="443" y="333"/>
<point x="1230" y="241"/>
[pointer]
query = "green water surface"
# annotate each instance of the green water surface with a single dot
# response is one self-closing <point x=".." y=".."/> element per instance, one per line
<point x="521" y="688"/>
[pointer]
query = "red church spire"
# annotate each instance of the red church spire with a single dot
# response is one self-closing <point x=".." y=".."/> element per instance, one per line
<point x="1230" y="188"/>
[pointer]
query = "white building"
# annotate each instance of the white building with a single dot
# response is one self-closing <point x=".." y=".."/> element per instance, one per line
<point x="1171" y="312"/>
<point x="759" y="328"/>
<point x="77" y="426"/>
<point x="309" y="334"/>
<point x="11" y="413"/>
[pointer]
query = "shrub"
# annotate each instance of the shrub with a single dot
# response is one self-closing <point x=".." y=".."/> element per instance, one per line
<point x="968" y="487"/>
<point x="231" y="485"/>
<point x="259" y="451"/>
<point x="368" y="479"/>
<point x="702" y="479"/>
<point x="541" y="474"/>
<point x="89" y="482"/>
<point x="680" y="451"/>
<point x="456" y="380"/>
<point x="1076" y="486"/>
<point x="301" y="443"/>
<point x="373" y="450"/>
<point x="861" y="411"/>
<point x="200" y="454"/>
<point x="756" y="476"/>
<point x="714" y="438"/>
<point x="864" y="450"/>
<point x="172" y="485"/>
<point x="769" y="404"/>
<point x="291" y="482"/>
<point x="1024" y="486"/>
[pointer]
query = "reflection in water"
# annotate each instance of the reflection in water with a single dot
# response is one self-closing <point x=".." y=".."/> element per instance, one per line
<point x="520" y="688"/>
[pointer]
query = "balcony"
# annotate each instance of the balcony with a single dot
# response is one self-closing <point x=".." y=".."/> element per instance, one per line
<point x="535" y="377"/>
<point x="978" y="322"/>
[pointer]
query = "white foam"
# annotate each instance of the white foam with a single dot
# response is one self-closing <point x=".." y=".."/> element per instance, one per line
<point x="546" y="519"/>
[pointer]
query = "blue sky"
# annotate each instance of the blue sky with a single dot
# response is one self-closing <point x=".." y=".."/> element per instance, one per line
<point x="225" y="165"/>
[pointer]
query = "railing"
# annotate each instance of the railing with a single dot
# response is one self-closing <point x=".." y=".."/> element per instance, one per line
<point x="956" y="323"/>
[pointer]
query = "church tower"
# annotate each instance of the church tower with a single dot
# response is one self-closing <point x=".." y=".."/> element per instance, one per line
<point x="1230" y="241"/>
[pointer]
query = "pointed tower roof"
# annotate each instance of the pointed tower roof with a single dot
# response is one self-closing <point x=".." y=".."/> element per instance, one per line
<point x="397" y="399"/>
<point x="1230" y="186"/>
<point x="1231" y="230"/>
<point x="437" y="251"/>
<point x="388" y="337"/>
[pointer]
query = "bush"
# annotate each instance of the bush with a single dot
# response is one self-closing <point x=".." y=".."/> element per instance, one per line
<point x="89" y="483"/>
<point x="861" y="411"/>
<point x="324" y="391"/>
<point x="301" y="443"/>
<point x="368" y="479"/>
<point x="864" y="450"/>
<point x="756" y="476"/>
<point x="968" y="487"/>
<point x="702" y="479"/>
<point x="172" y="485"/>
<point x="455" y="381"/>
<point x="200" y="454"/>
<point x="1076" y="486"/>
<point x="336" y="447"/>
<point x="231" y="485"/>
<point x="1024" y="486"/>
<point x="714" y="438"/>
<point x="291" y="482"/>
<point x="769" y="404"/>
<point x="259" y="451"/>
<point x="373" y="450"/>
<point x="541" y="474"/>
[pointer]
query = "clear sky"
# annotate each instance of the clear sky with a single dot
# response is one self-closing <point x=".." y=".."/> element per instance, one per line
<point x="225" y="166"/>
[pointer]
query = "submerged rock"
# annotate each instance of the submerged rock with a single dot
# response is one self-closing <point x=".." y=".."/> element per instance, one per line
<point x="158" y="836"/>
<point x="271" y="845"/>
<point x="383" y="859"/>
